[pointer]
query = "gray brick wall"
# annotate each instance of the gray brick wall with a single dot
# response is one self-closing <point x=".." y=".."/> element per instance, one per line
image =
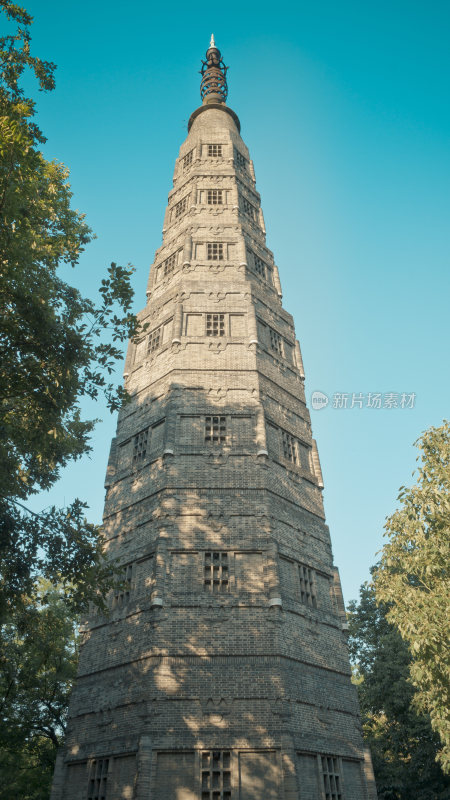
<point x="217" y="653"/>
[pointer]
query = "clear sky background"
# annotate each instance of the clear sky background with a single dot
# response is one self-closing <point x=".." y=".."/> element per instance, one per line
<point x="345" y="109"/>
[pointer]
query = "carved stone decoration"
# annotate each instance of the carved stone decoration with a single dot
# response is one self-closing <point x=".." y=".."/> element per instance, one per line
<point x="312" y="626"/>
<point x="105" y="719"/>
<point x="217" y="395"/>
<point x="217" y="521"/>
<point x="275" y="618"/>
<point x="282" y="708"/>
<point x="215" y="712"/>
<point x="323" y="716"/>
<point x="216" y="616"/>
<point x="216" y="460"/>
<point x="216" y="346"/>
<point x="115" y="631"/>
<point x="182" y="296"/>
<point x="216" y="269"/>
<point x="148" y="711"/>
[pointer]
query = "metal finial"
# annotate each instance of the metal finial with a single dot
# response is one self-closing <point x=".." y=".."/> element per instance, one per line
<point x="213" y="88"/>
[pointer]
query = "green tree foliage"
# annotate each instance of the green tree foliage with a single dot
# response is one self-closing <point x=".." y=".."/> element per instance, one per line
<point x="402" y="742"/>
<point x="56" y="346"/>
<point x="413" y="580"/>
<point x="38" y="664"/>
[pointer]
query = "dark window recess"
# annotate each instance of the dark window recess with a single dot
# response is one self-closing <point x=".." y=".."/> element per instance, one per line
<point x="260" y="266"/>
<point x="241" y="161"/>
<point x="214" y="251"/>
<point x="122" y="594"/>
<point x="215" y="150"/>
<point x="215" y="430"/>
<point x="216" y="572"/>
<point x="215" y="324"/>
<point x="289" y="447"/>
<point x="154" y="340"/>
<point x="187" y="160"/>
<point x="169" y="264"/>
<point x="181" y="207"/>
<point x="249" y="209"/>
<point x="331" y="778"/>
<point x="214" y="197"/>
<point x="307" y="586"/>
<point x="276" y="342"/>
<point x="140" y="446"/>
<point x="216" y="775"/>
<point x="98" y="776"/>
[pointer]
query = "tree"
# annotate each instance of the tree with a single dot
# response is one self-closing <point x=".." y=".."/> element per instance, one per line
<point x="402" y="742"/>
<point x="55" y="345"/>
<point x="38" y="664"/>
<point x="413" y="580"/>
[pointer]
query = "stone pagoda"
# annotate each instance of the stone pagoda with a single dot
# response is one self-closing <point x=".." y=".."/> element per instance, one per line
<point x="221" y="671"/>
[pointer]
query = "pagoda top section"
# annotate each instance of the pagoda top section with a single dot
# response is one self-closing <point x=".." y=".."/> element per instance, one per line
<point x="213" y="86"/>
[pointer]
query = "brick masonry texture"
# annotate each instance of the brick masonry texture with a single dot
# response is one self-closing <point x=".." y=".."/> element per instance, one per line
<point x="221" y="670"/>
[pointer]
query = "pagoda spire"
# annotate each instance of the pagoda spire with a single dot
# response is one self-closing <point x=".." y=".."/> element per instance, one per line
<point x="213" y="87"/>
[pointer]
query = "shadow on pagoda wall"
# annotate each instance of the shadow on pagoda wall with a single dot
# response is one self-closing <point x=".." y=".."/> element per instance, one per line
<point x="190" y="650"/>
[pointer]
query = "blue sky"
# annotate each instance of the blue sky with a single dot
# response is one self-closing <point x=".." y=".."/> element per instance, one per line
<point x="344" y="107"/>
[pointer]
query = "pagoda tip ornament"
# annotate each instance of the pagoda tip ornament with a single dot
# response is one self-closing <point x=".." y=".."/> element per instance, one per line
<point x="213" y="87"/>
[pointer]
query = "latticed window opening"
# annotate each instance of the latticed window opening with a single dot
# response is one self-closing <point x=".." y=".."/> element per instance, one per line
<point x="214" y="197"/>
<point x="140" y="446"/>
<point x="216" y="775"/>
<point x="260" y="266"/>
<point x="331" y="778"/>
<point x="289" y="447"/>
<point x="276" y="342"/>
<point x="216" y="573"/>
<point x="122" y="594"/>
<point x="187" y="160"/>
<point x="215" y="430"/>
<point x="97" y="779"/>
<point x="249" y="209"/>
<point x="154" y="340"/>
<point x="169" y="264"/>
<point x="215" y="150"/>
<point x="215" y="251"/>
<point x="241" y="161"/>
<point x="215" y="324"/>
<point x="181" y="207"/>
<point x="307" y="586"/>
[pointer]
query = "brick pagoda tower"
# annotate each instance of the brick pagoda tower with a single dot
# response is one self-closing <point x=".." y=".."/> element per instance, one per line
<point x="221" y="672"/>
